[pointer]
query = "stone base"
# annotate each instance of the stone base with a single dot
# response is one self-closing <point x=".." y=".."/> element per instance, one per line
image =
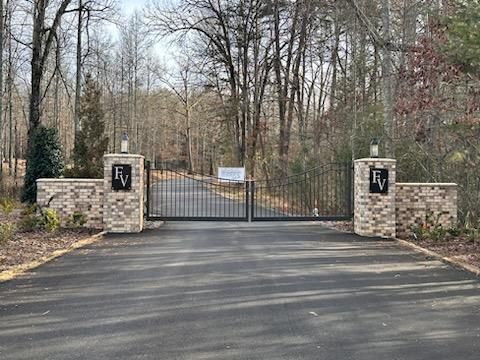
<point x="123" y="209"/>
<point x="374" y="214"/>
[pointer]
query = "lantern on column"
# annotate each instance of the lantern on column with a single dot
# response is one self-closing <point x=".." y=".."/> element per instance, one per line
<point x="124" y="143"/>
<point x="374" y="148"/>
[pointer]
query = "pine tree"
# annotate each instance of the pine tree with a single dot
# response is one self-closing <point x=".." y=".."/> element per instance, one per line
<point x="463" y="36"/>
<point x="90" y="142"/>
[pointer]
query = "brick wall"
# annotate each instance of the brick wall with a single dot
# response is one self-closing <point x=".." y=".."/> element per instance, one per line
<point x="374" y="214"/>
<point x="67" y="196"/>
<point x="123" y="210"/>
<point x="414" y="201"/>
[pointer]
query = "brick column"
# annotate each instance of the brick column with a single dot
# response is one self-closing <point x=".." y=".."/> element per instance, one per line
<point x="123" y="209"/>
<point x="374" y="213"/>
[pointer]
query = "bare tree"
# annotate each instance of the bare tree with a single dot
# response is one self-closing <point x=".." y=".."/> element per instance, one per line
<point x="2" y="36"/>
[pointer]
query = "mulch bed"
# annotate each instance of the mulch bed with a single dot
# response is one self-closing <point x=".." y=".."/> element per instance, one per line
<point x="30" y="246"/>
<point x="25" y="247"/>
<point x="459" y="248"/>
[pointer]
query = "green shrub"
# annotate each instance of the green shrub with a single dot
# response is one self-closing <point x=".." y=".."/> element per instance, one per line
<point x="430" y="229"/>
<point x="7" y="205"/>
<point x="6" y="231"/>
<point x="455" y="231"/>
<point x="50" y="220"/>
<point x="28" y="223"/>
<point x="77" y="219"/>
<point x="29" y="218"/>
<point x="30" y="209"/>
<point x="473" y="234"/>
<point x="419" y="232"/>
<point x="44" y="160"/>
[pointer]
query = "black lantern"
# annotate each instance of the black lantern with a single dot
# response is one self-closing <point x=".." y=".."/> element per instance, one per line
<point x="374" y="148"/>
<point x="124" y="143"/>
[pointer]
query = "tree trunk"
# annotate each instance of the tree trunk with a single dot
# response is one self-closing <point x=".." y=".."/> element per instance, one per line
<point x="78" y="76"/>
<point x="2" y="35"/>
<point x="387" y="82"/>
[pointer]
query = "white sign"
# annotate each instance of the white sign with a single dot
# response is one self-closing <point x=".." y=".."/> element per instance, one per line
<point x="231" y="174"/>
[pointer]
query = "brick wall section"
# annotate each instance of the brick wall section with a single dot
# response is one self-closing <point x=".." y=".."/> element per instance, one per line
<point x="123" y="210"/>
<point x="71" y="195"/>
<point x="415" y="200"/>
<point x="374" y="214"/>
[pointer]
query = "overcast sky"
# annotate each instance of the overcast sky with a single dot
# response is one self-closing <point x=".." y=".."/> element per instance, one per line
<point x="162" y="50"/>
<point x="130" y="5"/>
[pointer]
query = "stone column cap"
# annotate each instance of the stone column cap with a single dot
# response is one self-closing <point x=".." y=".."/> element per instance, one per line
<point x="375" y="159"/>
<point x="73" y="180"/>
<point x="428" y="184"/>
<point x="132" y="156"/>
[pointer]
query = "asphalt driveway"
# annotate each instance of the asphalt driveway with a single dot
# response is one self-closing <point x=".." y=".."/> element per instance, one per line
<point x="241" y="291"/>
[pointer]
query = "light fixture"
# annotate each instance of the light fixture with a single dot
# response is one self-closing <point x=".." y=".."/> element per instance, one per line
<point x="374" y="148"/>
<point x="124" y="143"/>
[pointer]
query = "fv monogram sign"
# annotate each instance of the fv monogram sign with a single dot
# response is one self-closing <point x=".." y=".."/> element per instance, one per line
<point x="121" y="177"/>
<point x="379" y="181"/>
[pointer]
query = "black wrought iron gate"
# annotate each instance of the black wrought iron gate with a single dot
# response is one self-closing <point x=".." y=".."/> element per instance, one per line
<point x="322" y="193"/>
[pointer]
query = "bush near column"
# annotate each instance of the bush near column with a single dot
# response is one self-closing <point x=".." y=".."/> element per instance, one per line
<point x="44" y="160"/>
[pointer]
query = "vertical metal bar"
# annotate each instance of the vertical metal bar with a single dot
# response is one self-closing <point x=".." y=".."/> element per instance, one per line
<point x="252" y="202"/>
<point x="162" y="182"/>
<point x="183" y="195"/>
<point x="215" y="202"/>
<point x="335" y="200"/>
<point x="171" y="204"/>
<point x="195" y="195"/>
<point x="178" y="187"/>
<point x="329" y="189"/>
<point x="209" y="199"/>
<point x="322" y="192"/>
<point x="287" y="194"/>
<point x="229" y="202"/>
<point x="294" y="198"/>
<point x="175" y="185"/>
<point x="309" y="201"/>
<point x="148" y="188"/>
<point x="247" y="201"/>
<point x="349" y="189"/>
<point x="304" y="195"/>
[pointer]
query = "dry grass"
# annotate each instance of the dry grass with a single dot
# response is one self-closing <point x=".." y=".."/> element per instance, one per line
<point x="10" y="185"/>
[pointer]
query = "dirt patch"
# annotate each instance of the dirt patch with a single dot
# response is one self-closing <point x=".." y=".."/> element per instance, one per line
<point x="344" y="226"/>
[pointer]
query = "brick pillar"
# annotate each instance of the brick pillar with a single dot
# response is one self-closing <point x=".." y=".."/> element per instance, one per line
<point x="123" y="209"/>
<point x="374" y="213"/>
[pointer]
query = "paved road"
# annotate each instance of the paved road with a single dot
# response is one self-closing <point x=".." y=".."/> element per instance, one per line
<point x="241" y="291"/>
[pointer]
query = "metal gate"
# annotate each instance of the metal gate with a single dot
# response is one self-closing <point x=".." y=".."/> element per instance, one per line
<point x="322" y="193"/>
<point x="179" y="195"/>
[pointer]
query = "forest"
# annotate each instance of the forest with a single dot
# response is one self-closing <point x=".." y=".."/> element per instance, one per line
<point x="277" y="86"/>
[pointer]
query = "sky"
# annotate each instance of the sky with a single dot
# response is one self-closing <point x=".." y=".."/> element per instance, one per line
<point x="161" y="49"/>
<point x="128" y="6"/>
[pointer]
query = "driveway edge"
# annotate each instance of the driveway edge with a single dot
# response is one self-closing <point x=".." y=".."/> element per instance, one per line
<point x="21" y="269"/>
<point x="445" y="259"/>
